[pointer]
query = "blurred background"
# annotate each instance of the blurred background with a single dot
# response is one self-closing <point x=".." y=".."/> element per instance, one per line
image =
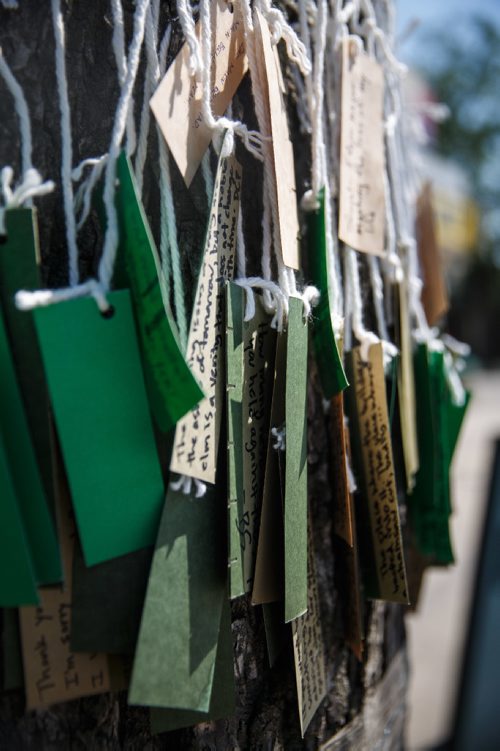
<point x="453" y="50"/>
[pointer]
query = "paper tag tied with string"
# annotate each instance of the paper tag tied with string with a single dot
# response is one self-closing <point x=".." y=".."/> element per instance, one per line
<point x="361" y="199"/>
<point x="197" y="434"/>
<point x="177" y="102"/>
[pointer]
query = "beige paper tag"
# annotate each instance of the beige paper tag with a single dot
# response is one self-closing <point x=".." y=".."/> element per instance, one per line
<point x="342" y="516"/>
<point x="361" y="196"/>
<point x="378" y="473"/>
<point x="406" y="391"/>
<point x="259" y="347"/>
<point x="176" y="103"/>
<point x="197" y="433"/>
<point x="434" y="294"/>
<point x="309" y="649"/>
<point x="284" y="166"/>
<point x="52" y="671"/>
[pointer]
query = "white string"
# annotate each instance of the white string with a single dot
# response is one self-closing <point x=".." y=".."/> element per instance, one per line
<point x="185" y="485"/>
<point x="280" y="438"/>
<point x="281" y="29"/>
<point x="66" y="156"/>
<point x="22" y="112"/>
<point x="186" y="21"/>
<point x="31" y="186"/>
<point x="118" y="43"/>
<point x="241" y="261"/>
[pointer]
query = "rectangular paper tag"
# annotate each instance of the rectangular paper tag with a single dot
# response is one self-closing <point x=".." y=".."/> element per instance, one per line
<point x="309" y="651"/>
<point x="197" y="434"/>
<point x="342" y="512"/>
<point x="282" y="146"/>
<point x="406" y="390"/>
<point x="102" y="415"/>
<point x="361" y="195"/>
<point x="172" y="389"/>
<point x="376" y="469"/>
<point x="296" y="463"/>
<point x="434" y="293"/>
<point x="176" y="103"/>
<point x="52" y="671"/>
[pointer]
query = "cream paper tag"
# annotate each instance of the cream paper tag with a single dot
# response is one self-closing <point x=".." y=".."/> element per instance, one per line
<point x="197" y="433"/>
<point x="176" y="103"/>
<point x="309" y="649"/>
<point x="406" y="391"/>
<point x="282" y="147"/>
<point x="361" y="199"/>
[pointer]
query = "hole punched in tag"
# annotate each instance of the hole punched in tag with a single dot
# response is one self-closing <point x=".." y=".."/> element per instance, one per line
<point x="108" y="313"/>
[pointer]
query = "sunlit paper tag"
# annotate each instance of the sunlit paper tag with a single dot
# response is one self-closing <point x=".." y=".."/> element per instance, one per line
<point x="361" y="197"/>
<point x="259" y="348"/>
<point x="434" y="293"/>
<point x="197" y="434"/>
<point x="52" y="671"/>
<point x="234" y="412"/>
<point x="176" y="103"/>
<point x="406" y="390"/>
<point x="171" y="387"/>
<point x="309" y="651"/>
<point x="376" y="469"/>
<point x="342" y="512"/>
<point x="330" y="366"/>
<point x="281" y="145"/>
<point x="296" y="463"/>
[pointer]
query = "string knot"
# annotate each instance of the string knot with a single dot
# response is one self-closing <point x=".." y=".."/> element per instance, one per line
<point x="185" y="485"/>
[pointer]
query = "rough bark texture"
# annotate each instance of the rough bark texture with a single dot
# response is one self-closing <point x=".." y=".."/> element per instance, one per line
<point x="266" y="715"/>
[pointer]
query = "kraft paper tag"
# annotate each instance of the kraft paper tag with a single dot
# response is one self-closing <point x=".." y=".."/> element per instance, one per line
<point x="296" y="463"/>
<point x="23" y="470"/>
<point x="172" y="389"/>
<point x="259" y="345"/>
<point x="19" y="258"/>
<point x="309" y="651"/>
<point x="342" y="511"/>
<point x="434" y="293"/>
<point x="234" y="376"/>
<point x="372" y="443"/>
<point x="176" y="651"/>
<point x="102" y="415"/>
<point x="330" y="366"/>
<point x="282" y="146"/>
<point x="406" y="390"/>
<point x="361" y="195"/>
<point x="268" y="586"/>
<point x="222" y="700"/>
<point x="197" y="434"/>
<point x="176" y="103"/>
<point x="52" y="671"/>
<point x="17" y="583"/>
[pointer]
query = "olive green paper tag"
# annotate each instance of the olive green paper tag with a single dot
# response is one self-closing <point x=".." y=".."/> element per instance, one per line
<point x="17" y="583"/>
<point x="176" y="651"/>
<point x="361" y="191"/>
<point x="19" y="258"/>
<point x="234" y="394"/>
<point x="102" y="415"/>
<point x="172" y="389"/>
<point x="331" y="370"/>
<point x="197" y="434"/>
<point x="268" y="586"/>
<point x="222" y="700"/>
<point x="309" y="650"/>
<point x="373" y="451"/>
<point x="296" y="463"/>
<point x="23" y="469"/>
<point x="259" y="345"/>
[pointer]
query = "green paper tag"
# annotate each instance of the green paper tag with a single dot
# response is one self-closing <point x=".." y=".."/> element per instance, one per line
<point x="35" y="514"/>
<point x="222" y="700"/>
<point x="17" y="583"/>
<point x="296" y="463"/>
<point x="171" y="386"/>
<point x="333" y="378"/>
<point x="97" y="388"/>
<point x="197" y="434"/>
<point x="234" y="376"/>
<point x="176" y="650"/>
<point x="19" y="270"/>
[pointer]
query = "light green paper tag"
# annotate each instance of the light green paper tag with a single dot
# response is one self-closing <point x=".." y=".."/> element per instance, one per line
<point x="296" y="464"/>
<point x="102" y="415"/>
<point x="17" y="583"/>
<point x="172" y="389"/>
<point x="177" y="646"/>
<point x="23" y="469"/>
